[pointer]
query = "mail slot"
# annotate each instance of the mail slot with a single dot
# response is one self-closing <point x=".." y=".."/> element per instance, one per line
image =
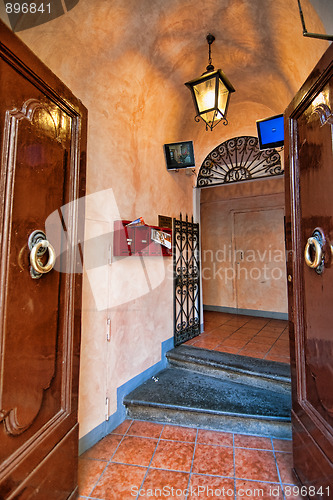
<point x="123" y="239"/>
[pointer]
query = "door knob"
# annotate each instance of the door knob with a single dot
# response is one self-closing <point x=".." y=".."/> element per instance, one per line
<point x="38" y="245"/>
<point x="314" y="252"/>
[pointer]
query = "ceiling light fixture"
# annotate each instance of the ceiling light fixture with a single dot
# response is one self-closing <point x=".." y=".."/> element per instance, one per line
<point x="211" y="93"/>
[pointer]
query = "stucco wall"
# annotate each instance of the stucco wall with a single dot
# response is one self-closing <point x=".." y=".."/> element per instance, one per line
<point x="127" y="62"/>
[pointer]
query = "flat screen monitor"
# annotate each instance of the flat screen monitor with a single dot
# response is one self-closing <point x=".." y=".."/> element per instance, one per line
<point x="179" y="155"/>
<point x="270" y="132"/>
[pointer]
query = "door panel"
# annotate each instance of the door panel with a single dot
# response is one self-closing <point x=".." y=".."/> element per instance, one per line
<point x="309" y="206"/>
<point x="260" y="260"/>
<point x="43" y="136"/>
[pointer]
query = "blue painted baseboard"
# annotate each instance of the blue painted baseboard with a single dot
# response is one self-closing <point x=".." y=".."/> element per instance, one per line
<point x="119" y="416"/>
<point x="247" y="312"/>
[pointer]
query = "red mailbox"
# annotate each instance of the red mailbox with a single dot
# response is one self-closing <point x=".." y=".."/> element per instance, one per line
<point x="137" y="240"/>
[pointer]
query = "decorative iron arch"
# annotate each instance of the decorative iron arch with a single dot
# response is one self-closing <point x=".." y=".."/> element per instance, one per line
<point x="238" y="159"/>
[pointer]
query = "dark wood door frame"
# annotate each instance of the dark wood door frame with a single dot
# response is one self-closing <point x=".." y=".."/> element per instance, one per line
<point x="309" y="184"/>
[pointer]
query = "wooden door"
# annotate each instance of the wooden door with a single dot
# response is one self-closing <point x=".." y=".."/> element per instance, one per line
<point x="260" y="265"/>
<point x="309" y="231"/>
<point x="43" y="139"/>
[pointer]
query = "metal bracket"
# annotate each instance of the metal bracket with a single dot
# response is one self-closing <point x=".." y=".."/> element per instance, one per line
<point x="305" y="31"/>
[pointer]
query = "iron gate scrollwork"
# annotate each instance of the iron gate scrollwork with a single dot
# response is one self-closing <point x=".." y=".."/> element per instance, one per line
<point x="186" y="264"/>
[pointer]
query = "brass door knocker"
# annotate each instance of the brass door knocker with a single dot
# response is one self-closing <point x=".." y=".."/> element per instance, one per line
<point x="38" y="245"/>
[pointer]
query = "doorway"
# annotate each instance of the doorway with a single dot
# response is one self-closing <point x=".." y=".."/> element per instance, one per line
<point x="242" y="230"/>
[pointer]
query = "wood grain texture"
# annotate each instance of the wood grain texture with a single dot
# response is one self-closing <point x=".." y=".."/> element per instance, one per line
<point x="43" y="133"/>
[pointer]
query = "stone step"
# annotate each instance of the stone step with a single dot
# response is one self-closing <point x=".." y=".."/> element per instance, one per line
<point x="189" y="398"/>
<point x="243" y="369"/>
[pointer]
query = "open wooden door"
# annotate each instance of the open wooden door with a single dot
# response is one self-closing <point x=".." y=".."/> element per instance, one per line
<point x="43" y="141"/>
<point x="309" y="232"/>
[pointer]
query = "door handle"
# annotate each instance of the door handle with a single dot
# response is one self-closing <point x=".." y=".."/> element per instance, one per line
<point x="314" y="252"/>
<point x="38" y="245"/>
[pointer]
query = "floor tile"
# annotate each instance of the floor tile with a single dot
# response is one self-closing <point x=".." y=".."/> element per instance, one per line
<point x="245" y="335"/>
<point x="265" y="332"/>
<point x="177" y="433"/>
<point x="259" y="348"/>
<point x="285" y="464"/>
<point x="166" y="463"/>
<point x="145" y="429"/>
<point x="164" y="484"/>
<point x="135" y="450"/>
<point x="245" y="441"/>
<point x="173" y="455"/>
<point x="226" y="329"/>
<point x="255" y="464"/>
<point x="210" y="487"/>
<point x="215" y="460"/>
<point x="206" y="343"/>
<point x="119" y="482"/>
<point x="251" y="353"/>
<point x="258" y="322"/>
<point x="190" y="342"/>
<point x="230" y="342"/>
<point x="230" y="350"/>
<point x="260" y="340"/>
<point x="88" y="474"/>
<point x="215" y="437"/>
<point x="235" y="321"/>
<point x="282" y="445"/>
<point x="279" y="351"/>
<point x="279" y="359"/>
<point x="123" y="427"/>
<point x="247" y="330"/>
<point x="254" y="490"/>
<point x="104" y="449"/>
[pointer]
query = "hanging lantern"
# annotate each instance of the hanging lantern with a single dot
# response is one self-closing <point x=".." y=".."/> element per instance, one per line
<point x="211" y="93"/>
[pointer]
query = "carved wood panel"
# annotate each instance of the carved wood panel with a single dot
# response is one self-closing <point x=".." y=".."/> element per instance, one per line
<point x="309" y="208"/>
<point x="33" y="145"/>
<point x="41" y="124"/>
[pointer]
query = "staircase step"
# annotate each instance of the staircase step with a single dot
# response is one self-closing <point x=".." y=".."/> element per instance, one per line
<point x="194" y="399"/>
<point x="256" y="372"/>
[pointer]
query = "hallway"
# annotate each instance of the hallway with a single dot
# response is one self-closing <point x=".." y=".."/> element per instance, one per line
<point x="252" y="336"/>
<point x="153" y="456"/>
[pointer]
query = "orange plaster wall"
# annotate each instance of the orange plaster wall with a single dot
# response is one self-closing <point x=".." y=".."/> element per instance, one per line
<point x="127" y="62"/>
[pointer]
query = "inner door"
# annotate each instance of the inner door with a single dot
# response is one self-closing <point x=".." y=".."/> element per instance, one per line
<point x="260" y="266"/>
<point x="309" y="231"/>
<point x="43" y="135"/>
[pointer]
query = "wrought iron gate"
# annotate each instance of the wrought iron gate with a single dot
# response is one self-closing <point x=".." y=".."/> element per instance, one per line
<point x="186" y="266"/>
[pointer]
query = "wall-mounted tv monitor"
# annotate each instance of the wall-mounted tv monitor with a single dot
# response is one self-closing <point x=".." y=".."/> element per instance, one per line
<point x="270" y="132"/>
<point x="179" y="155"/>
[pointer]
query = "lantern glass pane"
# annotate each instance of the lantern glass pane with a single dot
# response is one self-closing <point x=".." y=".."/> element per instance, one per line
<point x="205" y="94"/>
<point x="222" y="96"/>
<point x="212" y="118"/>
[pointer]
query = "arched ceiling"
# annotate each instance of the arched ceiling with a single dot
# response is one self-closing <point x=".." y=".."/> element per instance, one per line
<point x="128" y="62"/>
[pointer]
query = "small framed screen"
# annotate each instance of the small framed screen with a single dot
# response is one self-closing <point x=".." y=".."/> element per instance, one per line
<point x="271" y="132"/>
<point x="179" y="155"/>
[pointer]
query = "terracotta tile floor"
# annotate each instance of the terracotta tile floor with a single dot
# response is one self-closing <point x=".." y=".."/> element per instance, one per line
<point x="149" y="460"/>
<point x="246" y="335"/>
